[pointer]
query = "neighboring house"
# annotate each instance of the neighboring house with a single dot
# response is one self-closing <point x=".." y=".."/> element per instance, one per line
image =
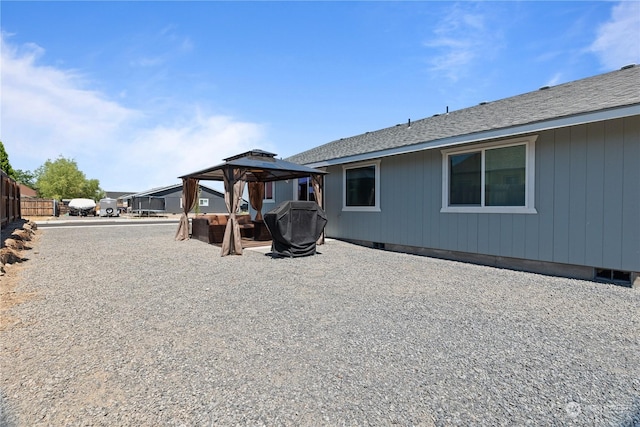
<point x="27" y="192"/>
<point x="118" y="195"/>
<point x="547" y="181"/>
<point x="170" y="198"/>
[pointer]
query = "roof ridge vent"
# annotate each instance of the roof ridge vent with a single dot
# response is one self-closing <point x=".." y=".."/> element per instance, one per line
<point x="544" y="87"/>
<point x="483" y="103"/>
<point x="626" y="67"/>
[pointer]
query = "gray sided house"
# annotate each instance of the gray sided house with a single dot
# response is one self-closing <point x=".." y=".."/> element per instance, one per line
<point x="169" y="200"/>
<point x="546" y="181"/>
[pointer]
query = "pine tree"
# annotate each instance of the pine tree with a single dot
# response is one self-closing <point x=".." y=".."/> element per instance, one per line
<point x="4" y="162"/>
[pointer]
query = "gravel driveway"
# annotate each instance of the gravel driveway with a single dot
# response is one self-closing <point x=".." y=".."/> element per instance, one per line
<point x="132" y="328"/>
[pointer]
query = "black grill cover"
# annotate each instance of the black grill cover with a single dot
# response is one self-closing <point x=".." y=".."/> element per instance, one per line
<point x="295" y="226"/>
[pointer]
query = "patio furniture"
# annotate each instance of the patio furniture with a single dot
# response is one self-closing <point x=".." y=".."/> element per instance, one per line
<point x="260" y="230"/>
<point x="209" y="228"/>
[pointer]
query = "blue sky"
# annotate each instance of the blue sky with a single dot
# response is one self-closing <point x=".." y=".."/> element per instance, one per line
<point x="139" y="93"/>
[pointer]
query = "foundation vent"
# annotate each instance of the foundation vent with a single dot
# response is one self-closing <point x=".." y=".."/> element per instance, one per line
<point x="613" y="276"/>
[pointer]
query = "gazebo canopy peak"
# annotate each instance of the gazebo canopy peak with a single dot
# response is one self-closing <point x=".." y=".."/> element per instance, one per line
<point x="252" y="153"/>
<point x="256" y="166"/>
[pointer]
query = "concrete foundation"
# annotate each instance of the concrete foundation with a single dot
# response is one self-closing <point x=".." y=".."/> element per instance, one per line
<point x="541" y="267"/>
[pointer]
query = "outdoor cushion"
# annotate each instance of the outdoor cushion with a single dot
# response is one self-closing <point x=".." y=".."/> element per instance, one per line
<point x="217" y="219"/>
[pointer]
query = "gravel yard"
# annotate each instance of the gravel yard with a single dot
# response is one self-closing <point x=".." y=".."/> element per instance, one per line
<point x="131" y="328"/>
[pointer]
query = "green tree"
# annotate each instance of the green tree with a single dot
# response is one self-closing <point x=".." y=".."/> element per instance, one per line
<point x="61" y="179"/>
<point x="26" y="177"/>
<point x="4" y="162"/>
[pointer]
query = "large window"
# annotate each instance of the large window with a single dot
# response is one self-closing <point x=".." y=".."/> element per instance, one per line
<point x="497" y="177"/>
<point x="361" y="185"/>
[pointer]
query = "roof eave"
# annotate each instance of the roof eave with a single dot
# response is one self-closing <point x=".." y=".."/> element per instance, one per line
<point x="573" y="120"/>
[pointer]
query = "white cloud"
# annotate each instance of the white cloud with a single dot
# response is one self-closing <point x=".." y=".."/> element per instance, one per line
<point x="200" y="142"/>
<point x="617" y="42"/>
<point x="47" y="112"/>
<point x="49" y="108"/>
<point x="462" y="37"/>
<point x="160" y="48"/>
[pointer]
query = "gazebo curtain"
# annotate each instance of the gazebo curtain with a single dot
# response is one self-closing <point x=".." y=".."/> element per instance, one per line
<point x="189" y="197"/>
<point x="256" y="195"/>
<point x="316" y="181"/>
<point x="233" y="189"/>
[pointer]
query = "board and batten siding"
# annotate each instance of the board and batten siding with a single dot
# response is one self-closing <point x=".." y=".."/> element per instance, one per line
<point x="587" y="197"/>
<point x="172" y="198"/>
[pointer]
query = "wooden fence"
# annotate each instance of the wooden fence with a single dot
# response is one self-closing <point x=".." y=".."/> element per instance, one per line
<point x="10" y="206"/>
<point x="39" y="207"/>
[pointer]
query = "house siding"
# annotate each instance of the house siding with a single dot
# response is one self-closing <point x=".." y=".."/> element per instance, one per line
<point x="594" y="202"/>
<point x="630" y="259"/>
<point x="172" y="198"/>
<point x="587" y="197"/>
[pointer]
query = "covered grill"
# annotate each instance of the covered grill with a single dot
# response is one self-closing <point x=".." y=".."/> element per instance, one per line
<point x="295" y="227"/>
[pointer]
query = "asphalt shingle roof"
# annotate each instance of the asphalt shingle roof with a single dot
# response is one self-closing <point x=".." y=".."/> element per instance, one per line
<point x="157" y="190"/>
<point x="602" y="92"/>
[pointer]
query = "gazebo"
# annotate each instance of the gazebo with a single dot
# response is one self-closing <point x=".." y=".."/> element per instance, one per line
<point x="254" y="167"/>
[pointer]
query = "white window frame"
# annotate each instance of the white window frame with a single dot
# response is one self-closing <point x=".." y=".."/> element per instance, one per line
<point x="296" y="182"/>
<point x="345" y="168"/>
<point x="202" y="202"/>
<point x="273" y="192"/>
<point x="530" y="167"/>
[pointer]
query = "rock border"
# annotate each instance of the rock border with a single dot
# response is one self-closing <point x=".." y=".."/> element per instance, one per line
<point x="17" y="237"/>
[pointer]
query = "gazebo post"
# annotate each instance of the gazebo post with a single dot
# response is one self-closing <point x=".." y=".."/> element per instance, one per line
<point x="317" y="182"/>
<point x="233" y="185"/>
<point x="189" y="193"/>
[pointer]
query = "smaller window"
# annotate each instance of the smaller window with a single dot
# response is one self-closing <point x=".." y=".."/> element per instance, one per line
<point x="268" y="191"/>
<point x="304" y="190"/>
<point x="203" y="202"/>
<point x="361" y="187"/>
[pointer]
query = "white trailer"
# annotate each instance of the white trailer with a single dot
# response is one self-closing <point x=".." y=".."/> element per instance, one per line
<point x="109" y="207"/>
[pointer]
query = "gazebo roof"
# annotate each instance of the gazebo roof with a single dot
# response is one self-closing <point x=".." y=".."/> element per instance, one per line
<point x="256" y="165"/>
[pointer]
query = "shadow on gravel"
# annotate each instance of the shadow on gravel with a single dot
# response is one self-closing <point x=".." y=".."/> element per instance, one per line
<point x="10" y="228"/>
<point x="5" y="419"/>
<point x="275" y="255"/>
<point x="634" y="416"/>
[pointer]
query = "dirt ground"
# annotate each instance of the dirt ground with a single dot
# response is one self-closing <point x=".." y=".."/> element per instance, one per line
<point x="11" y="275"/>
